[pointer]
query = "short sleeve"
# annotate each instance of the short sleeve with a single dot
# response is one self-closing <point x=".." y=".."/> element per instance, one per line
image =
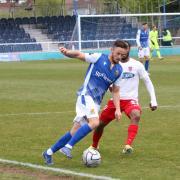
<point x="92" y="57"/>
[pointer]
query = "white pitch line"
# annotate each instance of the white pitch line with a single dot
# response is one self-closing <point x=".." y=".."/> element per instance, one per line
<point x="64" y="171"/>
<point x="63" y="112"/>
<point x="164" y="106"/>
<point x="35" y="113"/>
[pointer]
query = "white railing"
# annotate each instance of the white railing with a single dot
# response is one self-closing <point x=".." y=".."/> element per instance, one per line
<point x="53" y="46"/>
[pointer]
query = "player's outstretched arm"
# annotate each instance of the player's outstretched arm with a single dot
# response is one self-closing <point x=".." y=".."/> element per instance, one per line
<point x="149" y="86"/>
<point x="153" y="104"/>
<point x="72" y="53"/>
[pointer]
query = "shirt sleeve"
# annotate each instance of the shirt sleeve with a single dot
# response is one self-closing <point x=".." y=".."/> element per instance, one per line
<point x="148" y="83"/>
<point x="92" y="57"/>
<point x="141" y="71"/>
<point x="138" y="38"/>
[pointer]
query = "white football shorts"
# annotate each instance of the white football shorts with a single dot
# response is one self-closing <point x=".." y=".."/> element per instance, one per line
<point x="85" y="109"/>
<point x="143" y="52"/>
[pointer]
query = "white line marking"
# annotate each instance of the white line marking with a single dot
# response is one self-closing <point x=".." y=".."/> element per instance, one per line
<point x="164" y="106"/>
<point x="35" y="113"/>
<point x="64" y="171"/>
<point x="63" y="112"/>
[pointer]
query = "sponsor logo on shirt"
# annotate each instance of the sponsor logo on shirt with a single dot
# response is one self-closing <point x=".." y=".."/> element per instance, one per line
<point x="92" y="111"/>
<point x="98" y="74"/>
<point x="116" y="73"/>
<point x="130" y="68"/>
<point x="127" y="75"/>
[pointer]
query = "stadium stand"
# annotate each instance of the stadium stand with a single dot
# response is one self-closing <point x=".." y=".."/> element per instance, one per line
<point x="11" y="32"/>
<point x="106" y="28"/>
<point x="60" y="28"/>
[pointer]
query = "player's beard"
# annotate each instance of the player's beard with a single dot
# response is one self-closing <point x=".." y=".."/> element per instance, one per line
<point x="116" y="61"/>
<point x="113" y="60"/>
<point x="125" y="59"/>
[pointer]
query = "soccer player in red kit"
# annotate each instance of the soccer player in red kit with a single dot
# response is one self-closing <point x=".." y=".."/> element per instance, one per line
<point x="133" y="71"/>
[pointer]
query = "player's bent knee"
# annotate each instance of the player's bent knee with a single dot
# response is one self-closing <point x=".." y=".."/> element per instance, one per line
<point x="101" y="126"/>
<point x="94" y="122"/>
<point x="135" y="116"/>
<point x="75" y="127"/>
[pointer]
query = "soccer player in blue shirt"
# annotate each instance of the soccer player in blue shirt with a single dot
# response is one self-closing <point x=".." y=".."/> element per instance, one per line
<point x="143" y="43"/>
<point x="103" y="71"/>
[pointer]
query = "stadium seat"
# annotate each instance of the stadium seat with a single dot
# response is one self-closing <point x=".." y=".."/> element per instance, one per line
<point x="25" y="20"/>
<point x="7" y="48"/>
<point x="40" y="20"/>
<point x="32" y="20"/>
<point x="1" y="48"/>
<point x="18" y="21"/>
<point x="11" y="32"/>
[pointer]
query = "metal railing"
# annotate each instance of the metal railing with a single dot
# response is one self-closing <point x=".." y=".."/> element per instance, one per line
<point x="88" y="44"/>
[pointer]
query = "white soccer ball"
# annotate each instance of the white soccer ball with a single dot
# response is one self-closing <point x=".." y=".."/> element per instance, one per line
<point x="91" y="157"/>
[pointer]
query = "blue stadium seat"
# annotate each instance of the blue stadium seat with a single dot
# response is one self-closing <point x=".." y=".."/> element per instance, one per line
<point x="2" y="41"/>
<point x="32" y="20"/>
<point x="7" y="48"/>
<point x="18" y="21"/>
<point x="40" y="20"/>
<point x="25" y="20"/>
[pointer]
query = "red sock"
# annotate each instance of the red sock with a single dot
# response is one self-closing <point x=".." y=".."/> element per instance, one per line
<point x="96" y="137"/>
<point x="132" y="131"/>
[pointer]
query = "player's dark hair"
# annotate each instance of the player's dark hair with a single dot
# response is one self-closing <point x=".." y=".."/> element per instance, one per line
<point x="121" y="44"/>
<point x="129" y="45"/>
<point x="144" y="23"/>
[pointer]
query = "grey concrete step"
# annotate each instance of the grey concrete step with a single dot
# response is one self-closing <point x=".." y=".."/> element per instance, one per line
<point x="47" y="43"/>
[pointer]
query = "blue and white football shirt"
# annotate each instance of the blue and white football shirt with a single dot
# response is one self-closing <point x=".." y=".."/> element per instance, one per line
<point x="99" y="76"/>
<point x="142" y="38"/>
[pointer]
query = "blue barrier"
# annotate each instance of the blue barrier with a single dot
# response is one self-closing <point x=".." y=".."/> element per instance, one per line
<point x="40" y="56"/>
<point x="165" y="51"/>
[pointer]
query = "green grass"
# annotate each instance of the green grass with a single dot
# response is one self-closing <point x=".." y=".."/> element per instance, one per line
<point x="50" y="86"/>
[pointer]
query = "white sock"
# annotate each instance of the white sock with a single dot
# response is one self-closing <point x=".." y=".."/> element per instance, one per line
<point x="49" y="152"/>
<point x="68" y="146"/>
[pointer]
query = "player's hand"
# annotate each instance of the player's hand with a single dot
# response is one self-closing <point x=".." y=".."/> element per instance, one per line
<point x="140" y="48"/>
<point x="118" y="114"/>
<point x="153" y="108"/>
<point x="63" y="50"/>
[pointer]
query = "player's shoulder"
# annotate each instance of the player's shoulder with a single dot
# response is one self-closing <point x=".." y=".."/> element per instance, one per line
<point x="96" y="55"/>
<point x="134" y="61"/>
<point x="118" y="70"/>
<point x="102" y="56"/>
<point x="92" y="57"/>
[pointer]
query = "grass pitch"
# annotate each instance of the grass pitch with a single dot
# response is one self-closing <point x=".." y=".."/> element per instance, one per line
<point x="38" y="106"/>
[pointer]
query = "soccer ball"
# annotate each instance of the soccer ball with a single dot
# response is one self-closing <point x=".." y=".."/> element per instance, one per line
<point x="91" y="157"/>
